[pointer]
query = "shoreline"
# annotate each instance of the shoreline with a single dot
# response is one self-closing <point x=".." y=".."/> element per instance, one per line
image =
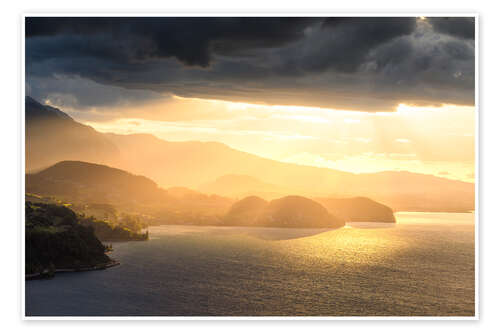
<point x="47" y="274"/>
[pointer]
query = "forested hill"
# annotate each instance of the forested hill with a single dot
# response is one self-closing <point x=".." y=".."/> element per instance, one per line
<point x="97" y="183"/>
<point x="55" y="240"/>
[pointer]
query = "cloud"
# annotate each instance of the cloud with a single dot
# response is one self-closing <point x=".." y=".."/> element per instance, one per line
<point x="364" y="64"/>
<point x="402" y="140"/>
<point x="77" y="93"/>
<point x="343" y="43"/>
<point x="192" y="40"/>
<point x="462" y="27"/>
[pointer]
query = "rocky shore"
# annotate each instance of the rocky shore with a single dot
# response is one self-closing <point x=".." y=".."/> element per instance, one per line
<point x="47" y="273"/>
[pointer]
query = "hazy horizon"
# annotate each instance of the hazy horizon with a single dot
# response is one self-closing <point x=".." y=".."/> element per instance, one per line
<point x="125" y="130"/>
<point x="366" y="162"/>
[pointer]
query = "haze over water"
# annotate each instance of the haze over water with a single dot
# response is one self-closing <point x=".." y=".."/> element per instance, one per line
<point x="422" y="266"/>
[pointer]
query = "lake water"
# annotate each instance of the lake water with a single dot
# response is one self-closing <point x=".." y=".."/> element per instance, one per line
<point x="422" y="266"/>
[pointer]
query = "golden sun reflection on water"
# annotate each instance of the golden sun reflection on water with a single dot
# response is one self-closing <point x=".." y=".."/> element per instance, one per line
<point x="350" y="245"/>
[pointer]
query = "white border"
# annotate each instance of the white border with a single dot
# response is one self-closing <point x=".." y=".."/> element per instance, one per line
<point x="266" y="13"/>
<point x="23" y="171"/>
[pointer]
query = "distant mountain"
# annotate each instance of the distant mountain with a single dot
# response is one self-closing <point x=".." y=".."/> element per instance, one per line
<point x="191" y="164"/>
<point x="407" y="191"/>
<point x="189" y="194"/>
<point x="358" y="209"/>
<point x="202" y="164"/>
<point x="53" y="136"/>
<point x="84" y="183"/>
<point x="238" y="186"/>
<point x="212" y="167"/>
<point x="183" y="192"/>
<point x="195" y="164"/>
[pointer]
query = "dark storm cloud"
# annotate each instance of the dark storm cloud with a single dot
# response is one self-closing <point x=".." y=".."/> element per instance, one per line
<point x="462" y="27"/>
<point x="191" y="40"/>
<point x="348" y="40"/>
<point x="369" y="64"/>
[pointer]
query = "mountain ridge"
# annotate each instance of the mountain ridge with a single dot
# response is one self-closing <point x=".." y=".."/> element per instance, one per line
<point x="194" y="163"/>
<point x="52" y="136"/>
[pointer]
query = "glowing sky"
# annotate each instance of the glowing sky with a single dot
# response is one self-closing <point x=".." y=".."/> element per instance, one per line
<point x="432" y="140"/>
<point x="360" y="94"/>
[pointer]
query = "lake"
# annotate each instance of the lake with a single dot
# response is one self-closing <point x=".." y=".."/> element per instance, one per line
<point x="421" y="266"/>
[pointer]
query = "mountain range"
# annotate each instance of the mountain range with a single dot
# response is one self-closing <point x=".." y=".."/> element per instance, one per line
<point x="102" y="191"/>
<point x="83" y="184"/>
<point x="52" y="136"/>
<point x="215" y="168"/>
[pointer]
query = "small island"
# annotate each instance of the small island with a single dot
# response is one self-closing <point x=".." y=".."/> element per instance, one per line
<point x="292" y="211"/>
<point x="358" y="209"/>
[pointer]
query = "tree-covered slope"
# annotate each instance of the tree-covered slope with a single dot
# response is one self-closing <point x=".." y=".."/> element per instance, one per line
<point x="55" y="240"/>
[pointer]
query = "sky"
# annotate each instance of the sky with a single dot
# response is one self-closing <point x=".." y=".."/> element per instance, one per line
<point x="356" y="94"/>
